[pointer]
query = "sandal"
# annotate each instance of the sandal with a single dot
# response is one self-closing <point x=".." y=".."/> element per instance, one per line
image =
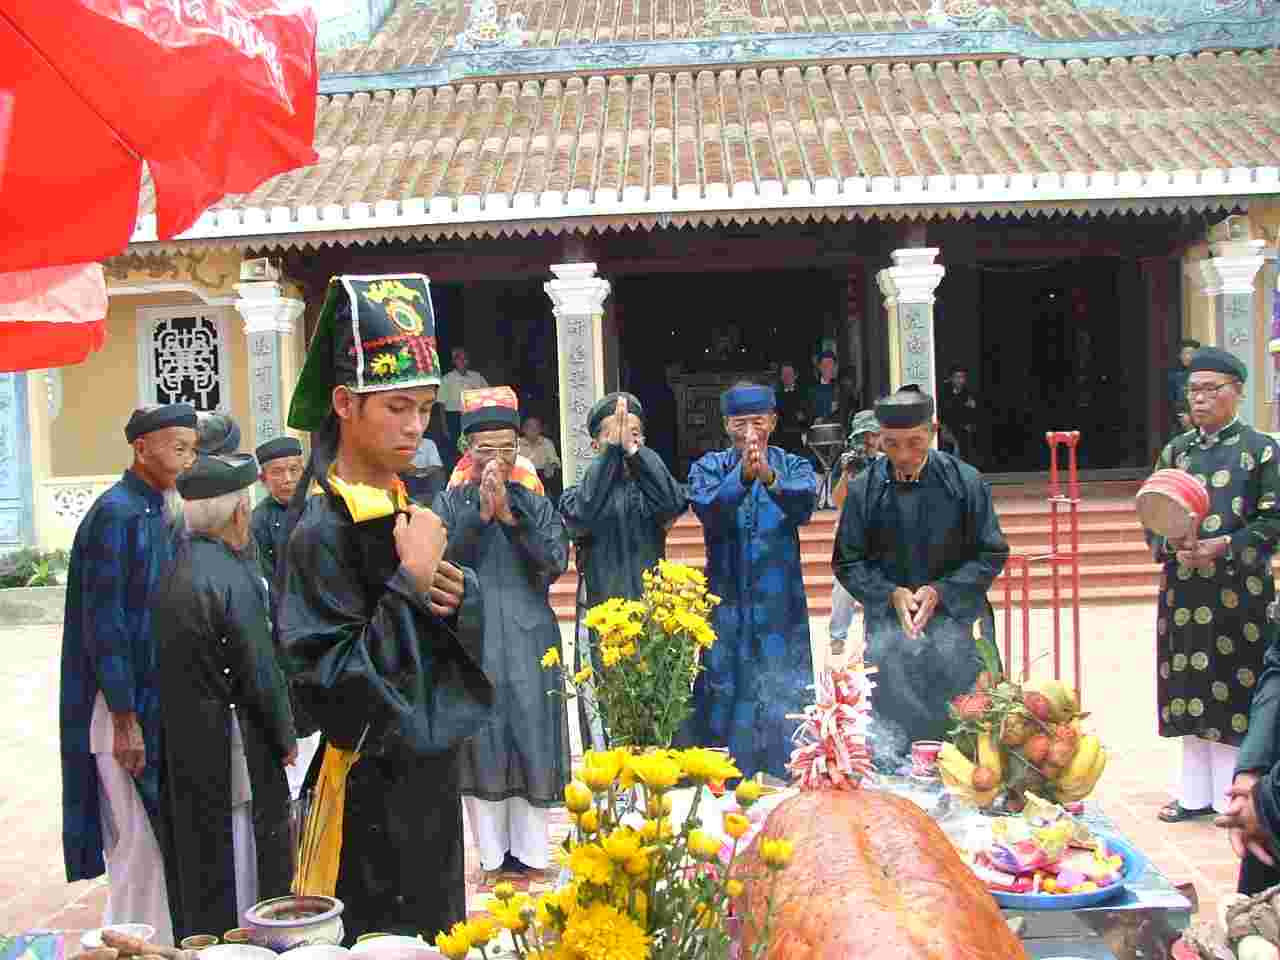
<point x="1175" y="812"/>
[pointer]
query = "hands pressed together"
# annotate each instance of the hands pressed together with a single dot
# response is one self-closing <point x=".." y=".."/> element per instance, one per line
<point x="755" y="461"/>
<point x="1241" y="821"/>
<point x="1202" y="553"/>
<point x="915" y="608"/>
<point x="618" y="430"/>
<point x="421" y="538"/>
<point x="493" y="496"/>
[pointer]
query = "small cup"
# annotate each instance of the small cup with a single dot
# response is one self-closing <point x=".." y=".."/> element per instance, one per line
<point x="924" y="757"/>
<point x="370" y="936"/>
<point x="238" y="935"/>
<point x="199" y="941"/>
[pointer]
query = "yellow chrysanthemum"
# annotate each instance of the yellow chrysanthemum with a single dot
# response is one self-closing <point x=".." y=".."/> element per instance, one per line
<point x="627" y="650"/>
<point x="556" y="907"/>
<point x="455" y="944"/>
<point x="504" y="891"/>
<point x="652" y="829"/>
<point x="705" y="765"/>
<point x="577" y="796"/>
<point x="551" y="658"/>
<point x="657" y="770"/>
<point x="621" y="845"/>
<point x="734" y="888"/>
<point x="776" y="854"/>
<point x="582" y="676"/>
<point x="736" y="825"/>
<point x="600" y="768"/>
<point x="657" y="806"/>
<point x="638" y="866"/>
<point x="480" y="930"/>
<point x="602" y="932"/>
<point x="589" y="822"/>
<point x="610" y="656"/>
<point x="514" y="915"/>
<point x="748" y="792"/>
<point x="589" y="862"/>
<point x="703" y="845"/>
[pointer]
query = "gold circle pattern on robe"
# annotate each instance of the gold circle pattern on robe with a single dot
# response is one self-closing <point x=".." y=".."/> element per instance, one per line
<point x="1239" y="722"/>
<point x="1211" y="620"/>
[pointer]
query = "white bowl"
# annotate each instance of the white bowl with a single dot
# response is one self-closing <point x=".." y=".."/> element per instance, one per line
<point x="92" y="939"/>
<point x="321" y="951"/>
<point x="396" y="948"/>
<point x="236" y="951"/>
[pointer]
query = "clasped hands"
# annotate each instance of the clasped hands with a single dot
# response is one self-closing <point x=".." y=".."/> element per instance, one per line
<point x="617" y="430"/>
<point x="493" y="495"/>
<point x="755" y="461"/>
<point x="1201" y="553"/>
<point x="421" y="538"/>
<point x="1247" y="832"/>
<point x="915" y="608"/>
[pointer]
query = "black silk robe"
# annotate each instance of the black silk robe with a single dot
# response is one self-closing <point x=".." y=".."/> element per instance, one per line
<point x="941" y="531"/>
<point x="618" y="518"/>
<point x="524" y="750"/>
<point x="267" y="527"/>
<point x="363" y="650"/>
<point x="210" y="617"/>
<point x="1211" y="622"/>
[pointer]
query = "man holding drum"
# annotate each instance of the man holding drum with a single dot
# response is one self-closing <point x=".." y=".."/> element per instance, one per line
<point x="1211" y="627"/>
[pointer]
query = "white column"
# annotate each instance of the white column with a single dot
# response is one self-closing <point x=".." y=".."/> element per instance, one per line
<point x="269" y="319"/>
<point x="578" y="296"/>
<point x="1228" y="280"/>
<point x="908" y="288"/>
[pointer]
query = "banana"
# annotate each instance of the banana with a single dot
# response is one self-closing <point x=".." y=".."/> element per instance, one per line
<point x="1086" y="768"/>
<point x="957" y="774"/>
<point x="989" y="755"/>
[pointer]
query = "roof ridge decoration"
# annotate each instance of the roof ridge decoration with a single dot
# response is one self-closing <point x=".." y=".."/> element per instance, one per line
<point x="417" y="47"/>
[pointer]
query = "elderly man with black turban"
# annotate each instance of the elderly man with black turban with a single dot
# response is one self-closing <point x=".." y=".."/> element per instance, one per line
<point x="618" y="515"/>
<point x="1211" y="620"/>
<point x="752" y="499"/>
<point x="919" y="546"/>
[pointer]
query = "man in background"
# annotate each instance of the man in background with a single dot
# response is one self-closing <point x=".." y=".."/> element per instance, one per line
<point x="451" y="386"/>
<point x="793" y="411"/>
<point x="958" y="411"/>
<point x="541" y="452"/>
<point x="864" y="448"/>
<point x="280" y="465"/>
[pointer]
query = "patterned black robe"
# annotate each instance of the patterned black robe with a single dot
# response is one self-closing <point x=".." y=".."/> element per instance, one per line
<point x="1211" y="622"/>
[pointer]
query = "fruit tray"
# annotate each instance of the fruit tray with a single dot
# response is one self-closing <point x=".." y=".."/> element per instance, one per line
<point x="1135" y="864"/>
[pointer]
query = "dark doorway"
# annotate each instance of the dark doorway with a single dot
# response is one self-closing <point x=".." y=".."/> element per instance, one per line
<point x="709" y="327"/>
<point x="1063" y="347"/>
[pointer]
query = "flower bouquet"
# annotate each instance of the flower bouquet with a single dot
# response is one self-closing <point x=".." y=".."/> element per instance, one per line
<point x="639" y="885"/>
<point x="647" y="655"/>
<point x="1010" y="739"/>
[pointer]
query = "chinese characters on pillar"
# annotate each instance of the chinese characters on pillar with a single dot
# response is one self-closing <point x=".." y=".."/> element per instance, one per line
<point x="264" y="376"/>
<point x="917" y="351"/>
<point x="577" y="349"/>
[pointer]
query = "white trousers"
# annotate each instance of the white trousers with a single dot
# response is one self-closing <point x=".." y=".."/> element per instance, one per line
<point x="1207" y="771"/>
<point x="508" y="826"/>
<point x="137" y="891"/>
<point x="296" y="774"/>
<point x="244" y="844"/>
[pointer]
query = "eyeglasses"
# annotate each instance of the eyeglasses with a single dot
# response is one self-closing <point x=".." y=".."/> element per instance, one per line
<point x="488" y="453"/>
<point x="1210" y="392"/>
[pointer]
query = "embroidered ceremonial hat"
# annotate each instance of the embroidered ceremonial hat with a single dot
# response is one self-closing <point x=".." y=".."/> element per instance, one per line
<point x="277" y="448"/>
<point x="213" y="476"/>
<point x="375" y="333"/>
<point x="146" y="420"/>
<point x="490" y="408"/>
<point x="606" y="405"/>
<point x="905" y="409"/>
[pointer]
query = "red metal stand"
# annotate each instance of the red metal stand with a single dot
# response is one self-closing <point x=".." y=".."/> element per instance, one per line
<point x="1060" y="555"/>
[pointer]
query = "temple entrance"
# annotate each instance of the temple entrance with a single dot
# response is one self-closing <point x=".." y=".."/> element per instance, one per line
<point x="1060" y="345"/>
<point x="685" y="337"/>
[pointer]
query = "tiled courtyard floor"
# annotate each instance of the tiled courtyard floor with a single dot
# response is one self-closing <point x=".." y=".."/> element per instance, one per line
<point x="1119" y="688"/>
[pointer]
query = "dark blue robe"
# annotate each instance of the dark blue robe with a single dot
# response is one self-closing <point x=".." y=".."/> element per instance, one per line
<point x="761" y="667"/>
<point x="941" y="531"/>
<point x="121" y="548"/>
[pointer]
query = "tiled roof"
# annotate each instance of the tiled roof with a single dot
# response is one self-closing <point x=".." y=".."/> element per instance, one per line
<point x="417" y="33"/>
<point x="932" y="133"/>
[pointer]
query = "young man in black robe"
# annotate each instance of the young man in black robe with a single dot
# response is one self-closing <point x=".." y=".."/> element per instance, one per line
<point x="618" y="516"/>
<point x="228" y="731"/>
<point x="918" y="545"/>
<point x="514" y="771"/>
<point x="382" y="638"/>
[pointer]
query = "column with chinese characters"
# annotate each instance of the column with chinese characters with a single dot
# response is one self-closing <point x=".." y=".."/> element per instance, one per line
<point x="1228" y="278"/>
<point x="908" y="288"/>
<point x="577" y="296"/>
<point x="269" y="320"/>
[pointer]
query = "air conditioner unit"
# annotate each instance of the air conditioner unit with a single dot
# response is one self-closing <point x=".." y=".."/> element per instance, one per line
<point x="259" y="268"/>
